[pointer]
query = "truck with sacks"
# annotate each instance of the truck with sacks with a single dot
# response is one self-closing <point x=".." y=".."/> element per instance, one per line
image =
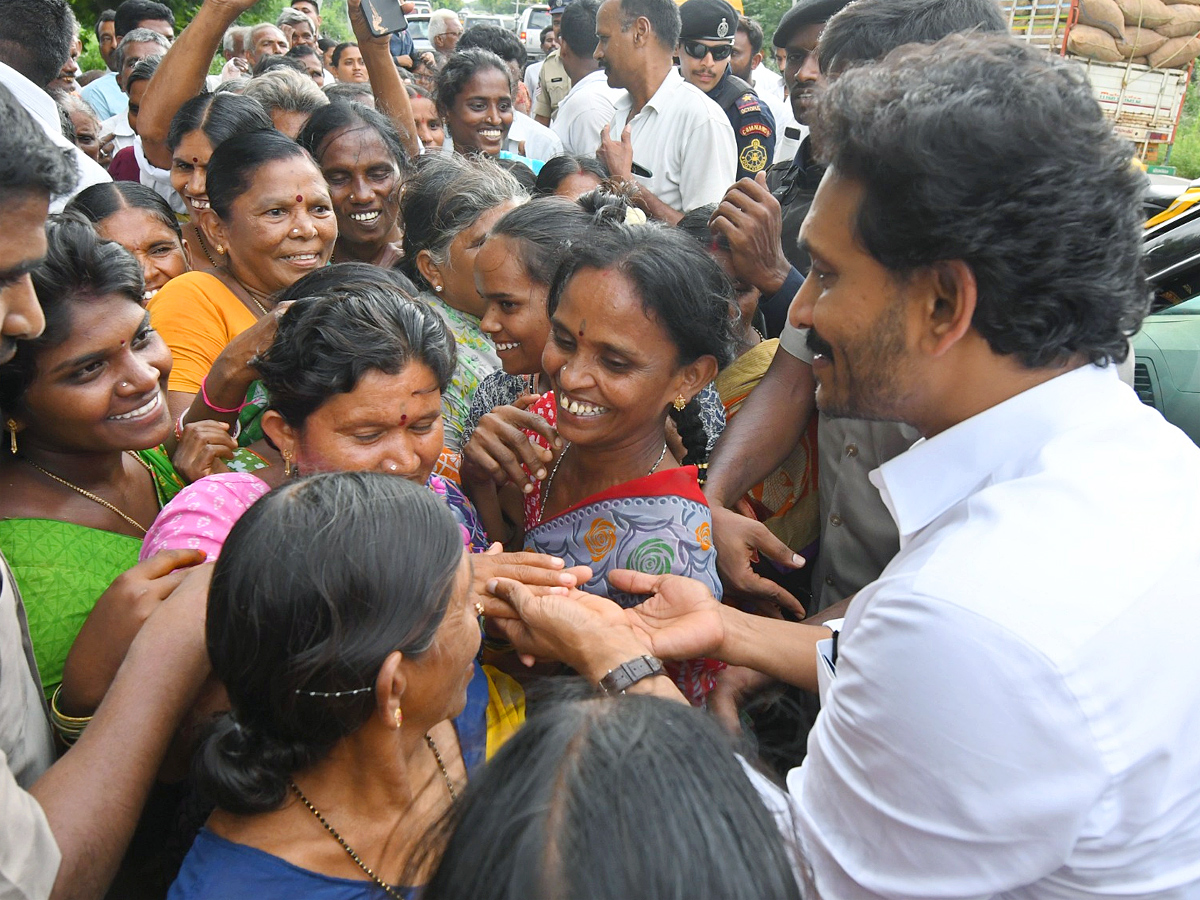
<point x="1138" y="53"/>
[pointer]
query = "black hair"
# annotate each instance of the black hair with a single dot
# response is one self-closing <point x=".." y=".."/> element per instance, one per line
<point x="235" y="161"/>
<point x="577" y="28"/>
<point x="219" y="116"/>
<point x="325" y="43"/>
<point x="331" y="120"/>
<point x="109" y="15"/>
<point x="317" y="584"/>
<point x="302" y="50"/>
<point x="695" y="224"/>
<point x="36" y="38"/>
<point x="79" y="267"/>
<point x="549" y="29"/>
<point x="131" y="13"/>
<point x="518" y="170"/>
<point x="273" y="61"/>
<point x="662" y="14"/>
<point x="348" y="320"/>
<point x="753" y="32"/>
<point x="339" y="50"/>
<point x="446" y="195"/>
<point x="500" y="41"/>
<point x="143" y="70"/>
<point x="29" y="160"/>
<point x="986" y="150"/>
<point x="99" y="201"/>
<point x="557" y="170"/>
<point x="459" y="69"/>
<point x="610" y="798"/>
<point x="545" y="229"/>
<point x="868" y="30"/>
<point x="415" y="90"/>
<point x="682" y="287"/>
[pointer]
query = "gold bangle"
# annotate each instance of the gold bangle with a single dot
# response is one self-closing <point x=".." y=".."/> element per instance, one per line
<point x="69" y="728"/>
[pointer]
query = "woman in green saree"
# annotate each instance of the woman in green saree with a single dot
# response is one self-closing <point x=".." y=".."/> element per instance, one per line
<point x="85" y="471"/>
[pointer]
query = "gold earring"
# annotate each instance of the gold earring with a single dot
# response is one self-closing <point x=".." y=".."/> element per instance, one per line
<point x="399" y="717"/>
<point x="288" y="469"/>
<point x="12" y="435"/>
<point x="679" y="403"/>
<point x="220" y="249"/>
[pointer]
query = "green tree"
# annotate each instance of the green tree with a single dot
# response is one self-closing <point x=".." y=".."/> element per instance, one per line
<point x="767" y="13"/>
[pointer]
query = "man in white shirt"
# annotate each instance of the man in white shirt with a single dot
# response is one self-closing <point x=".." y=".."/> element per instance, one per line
<point x="35" y="41"/>
<point x="106" y="94"/>
<point x="666" y="136"/>
<point x="589" y="105"/>
<point x="1015" y="710"/>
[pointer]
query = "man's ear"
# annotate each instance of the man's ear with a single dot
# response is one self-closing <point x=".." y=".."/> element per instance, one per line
<point x="950" y="305"/>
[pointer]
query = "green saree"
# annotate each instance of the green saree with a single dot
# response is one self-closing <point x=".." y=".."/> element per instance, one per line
<point x="62" y="569"/>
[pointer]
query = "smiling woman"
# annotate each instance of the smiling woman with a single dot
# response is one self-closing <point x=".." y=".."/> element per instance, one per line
<point x="364" y="164"/>
<point x="85" y="476"/>
<point x="270" y="210"/>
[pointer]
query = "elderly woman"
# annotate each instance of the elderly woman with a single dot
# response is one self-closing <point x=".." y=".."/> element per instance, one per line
<point x="270" y="214"/>
<point x="449" y="206"/>
<point x="348" y="656"/>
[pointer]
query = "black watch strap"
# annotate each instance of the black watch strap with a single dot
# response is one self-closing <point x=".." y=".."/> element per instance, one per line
<point x="624" y="676"/>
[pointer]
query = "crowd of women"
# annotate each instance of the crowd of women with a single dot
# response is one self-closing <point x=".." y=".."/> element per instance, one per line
<point x="544" y="371"/>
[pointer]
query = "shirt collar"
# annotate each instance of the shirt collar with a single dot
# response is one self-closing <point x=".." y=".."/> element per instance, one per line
<point x="990" y="447"/>
<point x="662" y="97"/>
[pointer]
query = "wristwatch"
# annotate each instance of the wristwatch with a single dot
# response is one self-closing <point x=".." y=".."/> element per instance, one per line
<point x="626" y="675"/>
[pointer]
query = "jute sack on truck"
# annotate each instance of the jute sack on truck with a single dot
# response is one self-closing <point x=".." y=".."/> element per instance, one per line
<point x="1093" y="43"/>
<point x="1146" y="13"/>
<point x="1185" y="22"/>
<point x="1103" y="14"/>
<point x="1140" y="41"/>
<point x="1176" y="53"/>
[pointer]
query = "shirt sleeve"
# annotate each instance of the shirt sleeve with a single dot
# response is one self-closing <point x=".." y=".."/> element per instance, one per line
<point x="775" y="311"/>
<point x="29" y="855"/>
<point x="951" y="760"/>
<point x="201" y="516"/>
<point x="541" y="102"/>
<point x="709" y="163"/>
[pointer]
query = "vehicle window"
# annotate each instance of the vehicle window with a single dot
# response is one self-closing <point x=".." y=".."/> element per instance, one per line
<point x="1177" y="289"/>
<point x="539" y="19"/>
<point x="418" y="28"/>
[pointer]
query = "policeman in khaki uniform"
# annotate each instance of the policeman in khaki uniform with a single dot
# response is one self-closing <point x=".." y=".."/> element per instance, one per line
<point x="705" y="45"/>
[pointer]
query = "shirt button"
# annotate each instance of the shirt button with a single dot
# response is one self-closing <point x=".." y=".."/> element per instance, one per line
<point x="852" y="450"/>
<point x="835" y="520"/>
<point x="829" y="580"/>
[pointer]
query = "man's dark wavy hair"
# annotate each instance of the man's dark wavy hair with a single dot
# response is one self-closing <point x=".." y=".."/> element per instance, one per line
<point x="987" y="150"/>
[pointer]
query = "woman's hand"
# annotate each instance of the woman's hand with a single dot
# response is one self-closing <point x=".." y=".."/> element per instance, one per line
<point x="590" y="634"/>
<point x="499" y="450"/>
<point x="203" y="449"/>
<point x="114" y="622"/>
<point x="680" y="619"/>
<point x="530" y="569"/>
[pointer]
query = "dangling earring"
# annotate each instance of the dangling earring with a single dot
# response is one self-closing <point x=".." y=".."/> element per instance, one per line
<point x="679" y="403"/>
<point x="399" y="717"/>
<point x="288" y="469"/>
<point x="12" y="435"/>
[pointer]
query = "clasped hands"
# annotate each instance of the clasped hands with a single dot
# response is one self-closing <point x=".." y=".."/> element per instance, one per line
<point x="680" y="619"/>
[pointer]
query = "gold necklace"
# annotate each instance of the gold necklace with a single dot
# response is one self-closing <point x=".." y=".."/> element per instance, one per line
<point x="383" y="885"/>
<point x="145" y="465"/>
<point x="249" y="293"/>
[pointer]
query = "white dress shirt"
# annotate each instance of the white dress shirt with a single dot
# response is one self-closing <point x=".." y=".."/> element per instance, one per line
<point x="686" y="142"/>
<point x="531" y="79"/>
<point x="44" y="110"/>
<point x="584" y="112"/>
<point x="1016" y="711"/>
<point x="539" y="142"/>
<point x="122" y="133"/>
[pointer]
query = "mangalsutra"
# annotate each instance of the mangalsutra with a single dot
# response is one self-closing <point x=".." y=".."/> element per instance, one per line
<point x="132" y="521"/>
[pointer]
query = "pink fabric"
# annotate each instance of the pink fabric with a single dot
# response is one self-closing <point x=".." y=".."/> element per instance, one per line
<point x="202" y="514"/>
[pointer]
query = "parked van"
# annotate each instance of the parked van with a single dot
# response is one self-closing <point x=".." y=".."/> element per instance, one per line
<point x="529" y="29"/>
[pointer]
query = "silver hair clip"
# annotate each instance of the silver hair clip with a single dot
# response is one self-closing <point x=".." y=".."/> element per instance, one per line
<point x="363" y="690"/>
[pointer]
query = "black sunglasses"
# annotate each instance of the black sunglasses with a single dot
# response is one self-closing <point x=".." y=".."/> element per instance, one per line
<point x="698" y="50"/>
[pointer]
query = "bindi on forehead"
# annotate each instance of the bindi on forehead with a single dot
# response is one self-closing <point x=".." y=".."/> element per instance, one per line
<point x="299" y="198"/>
<point x="582" y="327"/>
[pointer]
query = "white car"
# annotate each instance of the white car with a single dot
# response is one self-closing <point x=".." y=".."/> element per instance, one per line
<point x="529" y="29"/>
<point x="418" y="30"/>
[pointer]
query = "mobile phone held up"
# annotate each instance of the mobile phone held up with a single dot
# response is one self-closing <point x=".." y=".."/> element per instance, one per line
<point x="384" y="17"/>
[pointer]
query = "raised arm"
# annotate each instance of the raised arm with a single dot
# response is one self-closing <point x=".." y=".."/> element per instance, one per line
<point x="94" y="795"/>
<point x="391" y="98"/>
<point x="180" y="76"/>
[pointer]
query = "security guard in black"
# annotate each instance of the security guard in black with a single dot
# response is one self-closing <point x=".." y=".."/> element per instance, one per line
<point x="708" y="30"/>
